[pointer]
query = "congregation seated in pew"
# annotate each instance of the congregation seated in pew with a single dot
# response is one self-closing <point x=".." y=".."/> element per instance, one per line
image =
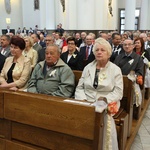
<point x="52" y="76"/>
<point x="16" y="70"/>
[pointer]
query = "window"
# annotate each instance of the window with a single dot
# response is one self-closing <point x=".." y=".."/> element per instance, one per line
<point x="122" y="20"/>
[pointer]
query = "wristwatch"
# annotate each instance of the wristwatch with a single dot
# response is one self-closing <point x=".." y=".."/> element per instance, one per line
<point x="8" y="6"/>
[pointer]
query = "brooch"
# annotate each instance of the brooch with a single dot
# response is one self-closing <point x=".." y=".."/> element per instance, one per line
<point x="52" y="74"/>
<point x="102" y="77"/>
<point x="131" y="61"/>
<point x="74" y="55"/>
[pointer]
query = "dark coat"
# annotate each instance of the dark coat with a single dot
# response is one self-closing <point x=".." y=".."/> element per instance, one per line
<point x="118" y="50"/>
<point x="83" y="53"/>
<point x="75" y="62"/>
<point x="41" y="54"/>
<point x="134" y="62"/>
<point x="2" y="61"/>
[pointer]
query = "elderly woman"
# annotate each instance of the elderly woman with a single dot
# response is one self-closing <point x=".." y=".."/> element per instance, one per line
<point x="139" y="46"/>
<point x="29" y="52"/>
<point x="102" y="79"/>
<point x="72" y="57"/>
<point x="16" y="70"/>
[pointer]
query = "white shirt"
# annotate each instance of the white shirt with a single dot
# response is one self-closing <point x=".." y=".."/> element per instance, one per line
<point x="3" y="52"/>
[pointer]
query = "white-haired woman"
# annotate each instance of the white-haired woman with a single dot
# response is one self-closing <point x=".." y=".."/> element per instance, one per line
<point x="101" y="78"/>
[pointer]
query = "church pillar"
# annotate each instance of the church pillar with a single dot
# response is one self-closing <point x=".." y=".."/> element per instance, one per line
<point x="148" y="26"/>
<point x="99" y="16"/>
<point x="70" y="15"/>
<point x="47" y="14"/>
<point x="86" y="14"/>
<point x="130" y="6"/>
<point x="144" y="14"/>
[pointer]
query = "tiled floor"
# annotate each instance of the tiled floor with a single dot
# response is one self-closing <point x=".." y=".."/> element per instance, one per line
<point x="142" y="140"/>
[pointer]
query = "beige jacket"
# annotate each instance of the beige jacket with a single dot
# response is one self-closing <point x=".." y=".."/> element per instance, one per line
<point x="110" y="83"/>
<point x="21" y="72"/>
<point x="32" y="55"/>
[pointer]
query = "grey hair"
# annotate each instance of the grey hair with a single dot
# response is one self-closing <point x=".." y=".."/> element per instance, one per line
<point x="52" y="37"/>
<point x="103" y="42"/>
<point x="56" y="46"/>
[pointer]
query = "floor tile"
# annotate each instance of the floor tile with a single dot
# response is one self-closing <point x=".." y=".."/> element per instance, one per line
<point x="142" y="139"/>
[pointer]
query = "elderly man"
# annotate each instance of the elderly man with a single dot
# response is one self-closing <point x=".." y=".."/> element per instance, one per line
<point x="41" y="53"/>
<point x="52" y="76"/>
<point x="5" y="46"/>
<point x="86" y="51"/>
<point x="146" y="42"/>
<point x="103" y="35"/>
<point x="129" y="60"/>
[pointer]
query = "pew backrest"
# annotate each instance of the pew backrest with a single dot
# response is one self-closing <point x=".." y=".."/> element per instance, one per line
<point x="52" y="123"/>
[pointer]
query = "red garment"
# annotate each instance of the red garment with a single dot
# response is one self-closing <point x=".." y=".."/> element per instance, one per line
<point x="64" y="43"/>
<point x="139" y="53"/>
<point x="87" y="52"/>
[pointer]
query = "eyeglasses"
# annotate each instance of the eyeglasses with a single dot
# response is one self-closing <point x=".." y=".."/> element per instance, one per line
<point x="125" y="45"/>
<point x="71" y="43"/>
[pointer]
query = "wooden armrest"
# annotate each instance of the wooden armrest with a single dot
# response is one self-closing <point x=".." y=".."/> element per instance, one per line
<point x="118" y="113"/>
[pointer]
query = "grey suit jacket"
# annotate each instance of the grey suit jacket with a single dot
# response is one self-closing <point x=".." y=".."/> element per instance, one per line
<point x="7" y="52"/>
<point x="37" y="47"/>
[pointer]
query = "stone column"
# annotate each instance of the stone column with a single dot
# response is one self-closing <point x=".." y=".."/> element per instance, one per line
<point x="47" y="14"/>
<point x="86" y="14"/>
<point x="148" y="13"/>
<point x="99" y="16"/>
<point x="130" y="6"/>
<point x="70" y="15"/>
<point x="144" y="14"/>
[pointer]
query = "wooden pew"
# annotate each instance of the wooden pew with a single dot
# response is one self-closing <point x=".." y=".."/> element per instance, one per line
<point x="77" y="75"/>
<point x="124" y="117"/>
<point x="4" y="124"/>
<point x="127" y="101"/>
<point x="1" y="105"/>
<point x="47" y="122"/>
<point x="137" y="110"/>
<point x="147" y="93"/>
<point x="25" y="122"/>
<point x="9" y="145"/>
